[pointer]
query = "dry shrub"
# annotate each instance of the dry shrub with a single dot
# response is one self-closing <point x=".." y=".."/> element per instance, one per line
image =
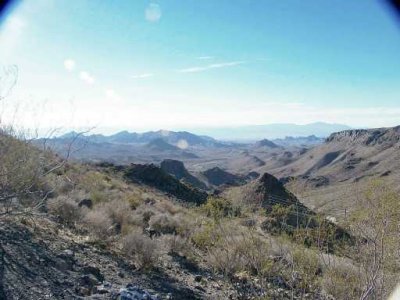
<point x="206" y="236"/>
<point x="66" y="209"/>
<point x="376" y="222"/>
<point x="305" y="270"/>
<point x="167" y="206"/>
<point x="342" y="282"/>
<point x="120" y="213"/>
<point x="142" y="214"/>
<point x="94" y="181"/>
<point x="133" y="200"/>
<point x="24" y="173"/>
<point x="142" y="249"/>
<point x="239" y="250"/>
<point x="179" y="245"/>
<point x="98" y="196"/>
<point x="98" y="223"/>
<point x="163" y="224"/>
<point x="249" y="222"/>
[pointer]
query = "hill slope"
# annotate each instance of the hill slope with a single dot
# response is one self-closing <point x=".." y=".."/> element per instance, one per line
<point x="329" y="171"/>
<point x="177" y="169"/>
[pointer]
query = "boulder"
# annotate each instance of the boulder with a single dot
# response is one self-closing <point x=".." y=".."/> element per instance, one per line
<point x="86" y="202"/>
<point x="131" y="292"/>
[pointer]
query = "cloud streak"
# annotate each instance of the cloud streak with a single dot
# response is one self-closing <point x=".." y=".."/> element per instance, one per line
<point x="205" y="57"/>
<point x="140" y="76"/>
<point x="210" y="67"/>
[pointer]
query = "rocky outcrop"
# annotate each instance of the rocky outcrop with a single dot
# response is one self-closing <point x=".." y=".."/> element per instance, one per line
<point x="177" y="169"/>
<point x="217" y="177"/>
<point x="156" y="177"/>
<point x="368" y="137"/>
<point x="269" y="186"/>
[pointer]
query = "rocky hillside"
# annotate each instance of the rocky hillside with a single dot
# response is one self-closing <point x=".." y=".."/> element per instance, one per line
<point x="368" y="137"/>
<point x="217" y="177"/>
<point x="327" y="172"/>
<point x="267" y="191"/>
<point x="350" y="156"/>
<point x="178" y="170"/>
<point x="154" y="176"/>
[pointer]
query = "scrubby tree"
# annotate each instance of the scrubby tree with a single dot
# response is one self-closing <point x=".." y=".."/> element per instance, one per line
<point x="377" y="222"/>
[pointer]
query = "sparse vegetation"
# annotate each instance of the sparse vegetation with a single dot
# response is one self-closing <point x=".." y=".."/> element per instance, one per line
<point x="266" y="246"/>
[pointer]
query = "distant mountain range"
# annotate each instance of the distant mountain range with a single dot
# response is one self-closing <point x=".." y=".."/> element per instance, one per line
<point x="272" y="131"/>
<point x="180" y="139"/>
<point x="282" y="134"/>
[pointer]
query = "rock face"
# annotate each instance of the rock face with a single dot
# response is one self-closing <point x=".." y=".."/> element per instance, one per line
<point x="218" y="177"/>
<point x="178" y="170"/>
<point x="156" y="177"/>
<point x="369" y="137"/>
<point x="299" y="141"/>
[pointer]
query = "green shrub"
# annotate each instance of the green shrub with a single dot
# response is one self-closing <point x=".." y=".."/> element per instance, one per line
<point x="218" y="208"/>
<point x="206" y="236"/>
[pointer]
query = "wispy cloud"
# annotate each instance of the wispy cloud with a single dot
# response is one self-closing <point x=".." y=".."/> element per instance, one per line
<point x="205" y="57"/>
<point x="211" y="66"/>
<point x="69" y="64"/>
<point x="86" y="77"/>
<point x="153" y="12"/>
<point x="140" y="76"/>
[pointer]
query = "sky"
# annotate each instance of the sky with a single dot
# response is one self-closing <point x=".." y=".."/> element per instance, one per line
<point x="172" y="64"/>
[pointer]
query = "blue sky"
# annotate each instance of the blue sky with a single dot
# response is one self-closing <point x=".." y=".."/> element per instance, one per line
<point x="143" y="65"/>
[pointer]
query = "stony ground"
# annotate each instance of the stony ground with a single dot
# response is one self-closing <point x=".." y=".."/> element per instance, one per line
<point x="42" y="260"/>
